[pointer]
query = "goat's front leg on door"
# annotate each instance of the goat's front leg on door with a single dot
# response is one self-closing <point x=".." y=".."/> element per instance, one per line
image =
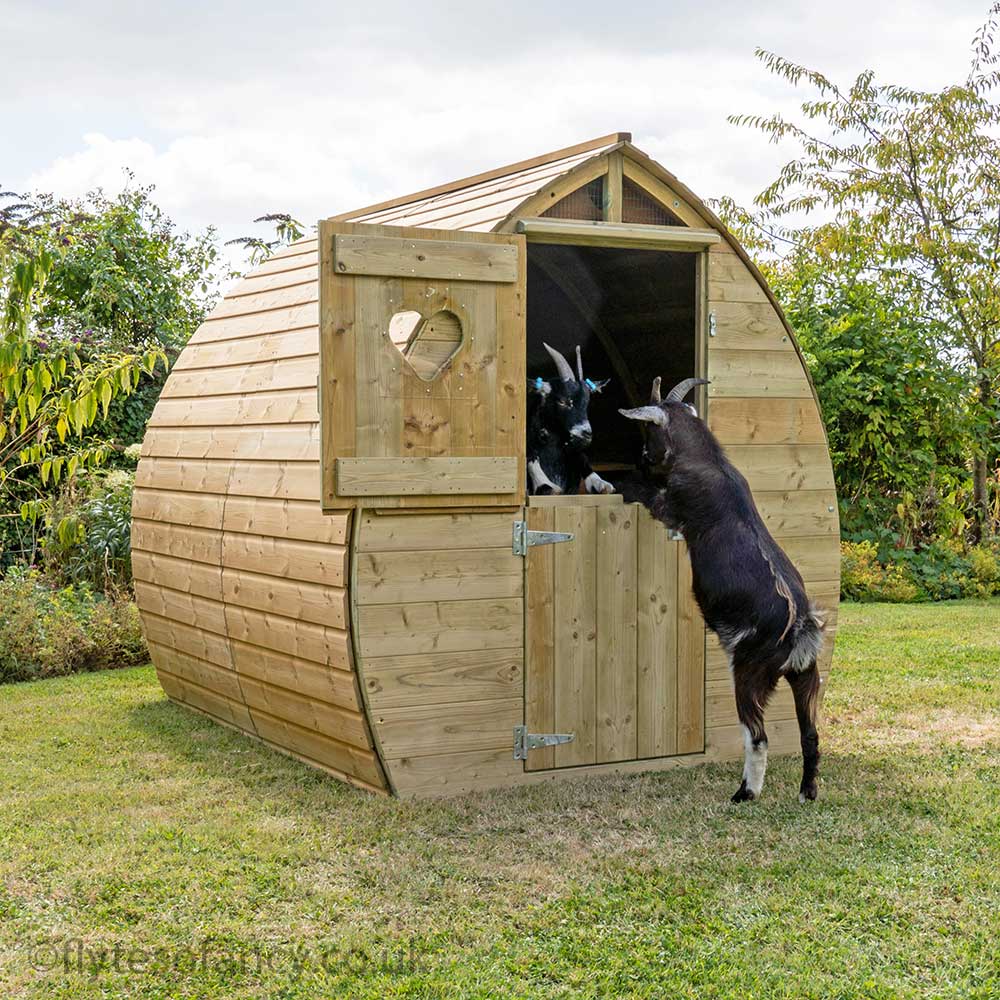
<point x="753" y="689"/>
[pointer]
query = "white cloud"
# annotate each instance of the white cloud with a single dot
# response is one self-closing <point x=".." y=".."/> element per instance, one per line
<point x="233" y="110"/>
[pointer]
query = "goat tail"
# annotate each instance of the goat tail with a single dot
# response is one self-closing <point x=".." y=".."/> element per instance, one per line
<point x="807" y="641"/>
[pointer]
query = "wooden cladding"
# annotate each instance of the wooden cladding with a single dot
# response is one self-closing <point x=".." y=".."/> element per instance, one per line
<point x="616" y="234"/>
<point x="392" y="257"/>
<point x="615" y="646"/>
<point x="376" y="407"/>
<point x="365" y="477"/>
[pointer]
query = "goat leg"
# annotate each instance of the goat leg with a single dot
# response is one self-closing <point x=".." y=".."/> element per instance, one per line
<point x="805" y="688"/>
<point x="753" y="688"/>
<point x="592" y="482"/>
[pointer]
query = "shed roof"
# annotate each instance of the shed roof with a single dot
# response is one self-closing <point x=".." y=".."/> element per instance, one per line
<point x="479" y="202"/>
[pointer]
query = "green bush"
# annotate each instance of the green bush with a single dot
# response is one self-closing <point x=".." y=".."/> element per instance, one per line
<point x="939" y="571"/>
<point x="48" y="631"/>
<point x="89" y="532"/>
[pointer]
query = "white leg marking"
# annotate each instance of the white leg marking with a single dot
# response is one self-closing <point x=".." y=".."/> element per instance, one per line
<point x="755" y="763"/>
<point x="594" y="484"/>
<point x="538" y="477"/>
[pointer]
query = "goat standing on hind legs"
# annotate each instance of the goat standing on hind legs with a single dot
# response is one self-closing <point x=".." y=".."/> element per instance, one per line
<point x="748" y="591"/>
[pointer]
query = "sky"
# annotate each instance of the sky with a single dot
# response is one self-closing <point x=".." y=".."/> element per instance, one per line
<point x="237" y="109"/>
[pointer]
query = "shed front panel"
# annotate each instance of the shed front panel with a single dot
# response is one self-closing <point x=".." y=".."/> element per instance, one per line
<point x="422" y="367"/>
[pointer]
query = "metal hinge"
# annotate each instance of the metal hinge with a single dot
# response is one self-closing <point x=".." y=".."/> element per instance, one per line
<point x="523" y="538"/>
<point x="525" y="741"/>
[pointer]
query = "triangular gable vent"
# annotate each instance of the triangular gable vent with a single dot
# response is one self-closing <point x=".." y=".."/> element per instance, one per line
<point x="586" y="203"/>
<point x="639" y="207"/>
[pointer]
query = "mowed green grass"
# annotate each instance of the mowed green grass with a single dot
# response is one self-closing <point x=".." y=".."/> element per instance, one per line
<point x="145" y="852"/>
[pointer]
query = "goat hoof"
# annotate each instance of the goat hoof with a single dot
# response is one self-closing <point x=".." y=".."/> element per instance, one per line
<point x="808" y="793"/>
<point x="743" y="794"/>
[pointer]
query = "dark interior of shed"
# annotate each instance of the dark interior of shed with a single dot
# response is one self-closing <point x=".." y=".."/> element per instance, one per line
<point x="633" y="313"/>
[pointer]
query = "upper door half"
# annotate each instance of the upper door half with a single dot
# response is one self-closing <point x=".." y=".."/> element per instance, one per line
<point x="422" y="366"/>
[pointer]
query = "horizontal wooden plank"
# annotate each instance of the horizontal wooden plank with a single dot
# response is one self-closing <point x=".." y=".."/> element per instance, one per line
<point x="191" y="509"/>
<point x="617" y="234"/>
<point x="720" y="707"/>
<point x="442" y="678"/>
<point x="729" y="280"/>
<point x="336" y="723"/>
<point x="299" y="270"/>
<point x="781" y="467"/>
<point x="577" y="500"/>
<point x="748" y="326"/>
<point x="726" y="743"/>
<point x="815" y="557"/>
<point x="250" y="350"/>
<point x="179" y="574"/>
<point x="256" y="302"/>
<point x="189" y="609"/>
<point x="255" y="324"/>
<point x="188" y="639"/>
<point x="445" y="626"/>
<point x="202" y="545"/>
<point x="756" y="373"/>
<point x="291" y="598"/>
<point x="315" y="747"/>
<point x="291" y="373"/>
<point x="391" y="256"/>
<point x="271" y="442"/>
<point x="205" y="700"/>
<point x="425" y="476"/>
<point x="799" y="512"/>
<point x="183" y="475"/>
<point x="286" y="480"/>
<point x="301" y="639"/>
<point x="286" y="406"/>
<point x="760" y="420"/>
<point x="287" y="519"/>
<point x="426" y="729"/>
<point x="211" y="676"/>
<point x="452" y="574"/>
<point x="276" y="480"/>
<point x="318" y="681"/>
<point x="291" y="560"/>
<point x="420" y="532"/>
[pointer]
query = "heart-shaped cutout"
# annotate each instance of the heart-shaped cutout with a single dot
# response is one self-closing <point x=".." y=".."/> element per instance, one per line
<point x="428" y="344"/>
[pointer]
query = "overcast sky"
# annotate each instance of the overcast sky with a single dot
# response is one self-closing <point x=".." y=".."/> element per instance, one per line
<point x="236" y="109"/>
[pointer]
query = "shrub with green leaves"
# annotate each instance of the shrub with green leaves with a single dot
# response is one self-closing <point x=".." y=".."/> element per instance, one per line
<point x="48" y="631"/>
<point x="89" y="529"/>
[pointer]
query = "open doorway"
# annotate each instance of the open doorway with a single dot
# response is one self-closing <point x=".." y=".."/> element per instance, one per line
<point x="634" y="314"/>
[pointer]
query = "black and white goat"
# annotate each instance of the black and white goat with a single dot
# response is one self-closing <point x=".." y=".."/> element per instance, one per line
<point x="559" y="431"/>
<point x="749" y="592"/>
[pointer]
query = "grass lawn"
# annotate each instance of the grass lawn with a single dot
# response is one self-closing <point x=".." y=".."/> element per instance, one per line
<point x="145" y="852"/>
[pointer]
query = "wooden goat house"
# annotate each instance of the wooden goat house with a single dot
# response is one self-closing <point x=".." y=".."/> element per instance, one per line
<point x="332" y="487"/>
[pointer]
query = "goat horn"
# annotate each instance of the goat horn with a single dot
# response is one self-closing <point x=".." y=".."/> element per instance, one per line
<point x="562" y="365"/>
<point x="648" y="414"/>
<point x="654" y="396"/>
<point x="579" y="363"/>
<point x="680" y="390"/>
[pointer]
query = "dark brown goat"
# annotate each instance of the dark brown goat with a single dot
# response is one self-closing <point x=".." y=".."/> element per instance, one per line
<point x="749" y="592"/>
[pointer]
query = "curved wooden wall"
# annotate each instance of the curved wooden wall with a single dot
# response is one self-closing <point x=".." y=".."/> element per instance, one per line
<point x="240" y="578"/>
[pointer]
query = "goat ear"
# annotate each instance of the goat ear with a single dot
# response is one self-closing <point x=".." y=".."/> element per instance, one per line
<point x="648" y="414"/>
<point x="598" y="386"/>
<point x="540" y="386"/>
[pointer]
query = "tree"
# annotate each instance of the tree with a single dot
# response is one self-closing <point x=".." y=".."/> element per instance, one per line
<point x="907" y="184"/>
<point x="96" y="294"/>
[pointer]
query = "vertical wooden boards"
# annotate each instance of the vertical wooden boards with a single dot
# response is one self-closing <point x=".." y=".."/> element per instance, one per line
<point x="539" y="639"/>
<point x="615" y="645"/>
<point x="656" y="619"/>
<point x="575" y="608"/>
<point x="617" y="562"/>
<point x="375" y="404"/>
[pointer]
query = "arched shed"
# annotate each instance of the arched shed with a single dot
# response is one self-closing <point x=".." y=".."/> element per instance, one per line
<point x="329" y="499"/>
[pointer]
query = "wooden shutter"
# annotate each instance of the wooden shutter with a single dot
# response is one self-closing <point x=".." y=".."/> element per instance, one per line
<point x="394" y="433"/>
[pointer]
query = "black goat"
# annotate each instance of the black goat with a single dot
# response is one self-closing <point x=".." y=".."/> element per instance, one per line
<point x="749" y="592"/>
<point x="559" y="431"/>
